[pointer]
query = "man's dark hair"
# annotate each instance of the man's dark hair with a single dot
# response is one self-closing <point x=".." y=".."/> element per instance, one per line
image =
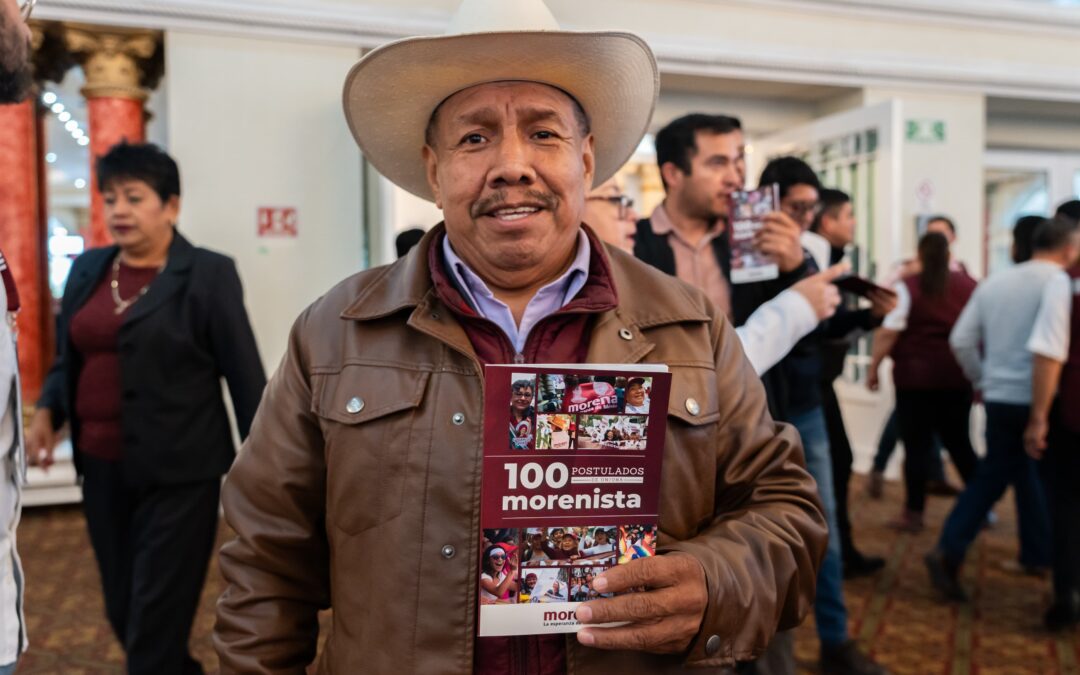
<point x="677" y="142"/>
<point x="407" y="239"/>
<point x="788" y="172"/>
<point x="944" y="219"/>
<point x="16" y="72"/>
<point x="139" y="161"/>
<point x="1023" y="234"/>
<point x="582" y="118"/>
<point x="1070" y="210"/>
<point x="1054" y="234"/>
<point x="830" y="202"/>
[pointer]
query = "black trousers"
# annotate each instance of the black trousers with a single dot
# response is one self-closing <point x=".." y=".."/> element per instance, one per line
<point x="842" y="459"/>
<point x="152" y="546"/>
<point x="922" y="413"/>
<point x="1061" y="467"/>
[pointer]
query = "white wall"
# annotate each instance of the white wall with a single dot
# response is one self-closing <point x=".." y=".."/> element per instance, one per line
<point x="259" y="123"/>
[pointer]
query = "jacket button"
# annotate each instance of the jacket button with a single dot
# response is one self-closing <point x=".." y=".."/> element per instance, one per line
<point x="712" y="646"/>
<point x="626" y="334"/>
<point x="693" y="408"/>
<point x="458" y="419"/>
<point x="448" y="551"/>
<point x="354" y="405"/>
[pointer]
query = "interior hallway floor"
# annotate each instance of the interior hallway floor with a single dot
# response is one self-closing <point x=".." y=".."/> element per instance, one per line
<point x="895" y="615"/>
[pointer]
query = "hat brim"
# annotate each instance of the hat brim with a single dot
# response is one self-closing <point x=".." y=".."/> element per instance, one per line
<point x="391" y="93"/>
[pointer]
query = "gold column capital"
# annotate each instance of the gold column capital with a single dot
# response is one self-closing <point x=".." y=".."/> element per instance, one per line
<point x="113" y="60"/>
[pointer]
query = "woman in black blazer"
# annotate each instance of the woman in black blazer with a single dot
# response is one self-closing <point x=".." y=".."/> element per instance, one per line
<point x="147" y="329"/>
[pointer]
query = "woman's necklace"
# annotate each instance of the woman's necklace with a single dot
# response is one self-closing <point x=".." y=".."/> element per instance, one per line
<point x="121" y="304"/>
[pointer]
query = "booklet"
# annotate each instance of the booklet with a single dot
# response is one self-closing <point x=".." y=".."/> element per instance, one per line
<point x="571" y="486"/>
<point x="860" y="286"/>
<point x="748" y="210"/>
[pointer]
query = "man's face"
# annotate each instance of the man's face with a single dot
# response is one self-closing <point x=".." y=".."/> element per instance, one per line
<point x="530" y="582"/>
<point x="522" y="399"/>
<point x="635" y="395"/>
<point x="510" y="165"/>
<point x="16" y="76"/>
<point x="717" y="169"/>
<point x="942" y="227"/>
<point x="838" y="226"/>
<point x="800" y="203"/>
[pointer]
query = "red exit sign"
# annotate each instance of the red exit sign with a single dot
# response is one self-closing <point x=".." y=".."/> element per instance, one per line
<point x="278" y="221"/>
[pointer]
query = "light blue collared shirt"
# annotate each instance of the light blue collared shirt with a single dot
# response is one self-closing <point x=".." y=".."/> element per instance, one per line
<point x="548" y="300"/>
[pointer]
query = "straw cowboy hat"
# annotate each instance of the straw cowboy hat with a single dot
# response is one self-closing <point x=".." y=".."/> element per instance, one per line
<point x="392" y="92"/>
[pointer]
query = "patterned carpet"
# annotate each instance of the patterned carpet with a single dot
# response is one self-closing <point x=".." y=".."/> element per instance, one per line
<point x="895" y="615"/>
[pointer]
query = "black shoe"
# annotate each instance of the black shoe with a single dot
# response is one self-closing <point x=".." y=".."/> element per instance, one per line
<point x="848" y="660"/>
<point x="1060" y="616"/>
<point x="945" y="576"/>
<point x="858" y="565"/>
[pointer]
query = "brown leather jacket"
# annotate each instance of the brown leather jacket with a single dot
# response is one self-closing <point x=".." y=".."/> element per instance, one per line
<point x="375" y="513"/>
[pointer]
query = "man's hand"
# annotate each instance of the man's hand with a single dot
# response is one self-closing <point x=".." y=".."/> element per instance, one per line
<point x="663" y="619"/>
<point x="40" y="439"/>
<point x="779" y="237"/>
<point x="881" y="303"/>
<point x="872" y="381"/>
<point x="819" y="291"/>
<point x="1035" y="437"/>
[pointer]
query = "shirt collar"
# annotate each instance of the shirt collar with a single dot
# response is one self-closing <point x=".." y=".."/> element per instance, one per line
<point x="472" y="286"/>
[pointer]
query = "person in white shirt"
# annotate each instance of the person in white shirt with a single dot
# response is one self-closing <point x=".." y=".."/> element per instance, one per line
<point x="1053" y="431"/>
<point x="13" y="640"/>
<point x="989" y="341"/>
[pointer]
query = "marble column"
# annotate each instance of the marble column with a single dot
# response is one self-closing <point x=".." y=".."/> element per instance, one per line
<point x="112" y="61"/>
<point x="21" y="236"/>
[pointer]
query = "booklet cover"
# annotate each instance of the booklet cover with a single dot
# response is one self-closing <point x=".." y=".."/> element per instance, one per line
<point x="748" y="210"/>
<point x="571" y="486"/>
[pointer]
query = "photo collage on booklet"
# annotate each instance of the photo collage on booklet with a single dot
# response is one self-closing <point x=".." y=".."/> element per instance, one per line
<point x="556" y="564"/>
<point x="562" y="412"/>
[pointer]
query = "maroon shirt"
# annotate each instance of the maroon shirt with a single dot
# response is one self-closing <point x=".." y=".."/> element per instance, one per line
<point x="95" y="330"/>
<point x="562" y="337"/>
<point x="922" y="356"/>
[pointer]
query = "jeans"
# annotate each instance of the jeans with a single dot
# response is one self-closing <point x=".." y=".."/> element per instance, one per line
<point x="829" y="610"/>
<point x="890" y="436"/>
<point x="1005" y="463"/>
<point x="922" y="413"/>
<point x="9" y="669"/>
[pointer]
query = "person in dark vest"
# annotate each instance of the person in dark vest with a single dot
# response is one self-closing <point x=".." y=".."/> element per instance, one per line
<point x="932" y="394"/>
<point x="835" y="222"/>
<point x="702" y="162"/>
<point x="1053" y="430"/>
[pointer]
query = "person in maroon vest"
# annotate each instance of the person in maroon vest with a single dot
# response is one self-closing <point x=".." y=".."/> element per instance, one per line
<point x="932" y="394"/>
<point x="1053" y="432"/>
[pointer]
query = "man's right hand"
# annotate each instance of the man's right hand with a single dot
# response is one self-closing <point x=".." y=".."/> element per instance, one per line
<point x="1035" y="437"/>
<point x="40" y="439"/>
<point x="819" y="291"/>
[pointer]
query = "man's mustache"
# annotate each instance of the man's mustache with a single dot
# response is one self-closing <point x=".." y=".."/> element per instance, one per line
<point x="496" y="199"/>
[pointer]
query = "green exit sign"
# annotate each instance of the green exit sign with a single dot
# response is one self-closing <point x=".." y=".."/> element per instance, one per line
<point x="926" y="131"/>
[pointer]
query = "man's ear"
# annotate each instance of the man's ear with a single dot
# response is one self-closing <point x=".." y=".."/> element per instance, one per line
<point x="588" y="158"/>
<point x="431" y="162"/>
<point x="671" y="174"/>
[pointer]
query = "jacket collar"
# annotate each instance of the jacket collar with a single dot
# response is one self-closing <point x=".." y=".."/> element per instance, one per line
<point x="636" y="303"/>
<point x="170" y="281"/>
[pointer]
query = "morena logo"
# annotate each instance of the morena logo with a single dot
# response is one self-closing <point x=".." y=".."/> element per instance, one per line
<point x="559" y="616"/>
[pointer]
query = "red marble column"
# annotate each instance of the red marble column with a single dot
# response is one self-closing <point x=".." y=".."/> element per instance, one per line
<point x="22" y="238"/>
<point x="112" y="120"/>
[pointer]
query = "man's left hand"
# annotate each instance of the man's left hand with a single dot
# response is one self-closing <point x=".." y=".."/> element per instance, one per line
<point x="663" y="619"/>
<point x="779" y="237"/>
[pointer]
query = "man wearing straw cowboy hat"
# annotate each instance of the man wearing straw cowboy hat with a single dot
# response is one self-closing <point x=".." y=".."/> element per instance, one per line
<point x="364" y="456"/>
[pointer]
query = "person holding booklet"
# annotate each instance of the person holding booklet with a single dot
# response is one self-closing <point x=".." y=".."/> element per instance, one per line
<point x="372" y="428"/>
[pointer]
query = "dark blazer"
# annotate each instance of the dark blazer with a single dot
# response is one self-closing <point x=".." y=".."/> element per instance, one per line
<point x="175" y="345"/>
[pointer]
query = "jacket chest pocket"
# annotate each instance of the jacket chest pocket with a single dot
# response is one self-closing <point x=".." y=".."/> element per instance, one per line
<point x="367" y="414"/>
<point x="688" y="492"/>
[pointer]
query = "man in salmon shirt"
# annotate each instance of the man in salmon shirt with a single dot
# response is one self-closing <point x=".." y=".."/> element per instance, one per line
<point x="362" y="460"/>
